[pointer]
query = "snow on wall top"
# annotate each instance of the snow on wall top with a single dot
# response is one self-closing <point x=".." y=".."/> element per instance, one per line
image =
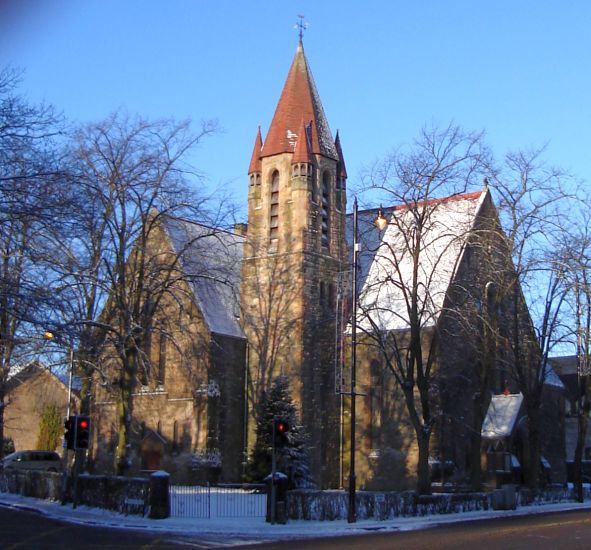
<point x="501" y="415"/>
<point x="210" y="261"/>
<point x="387" y="270"/>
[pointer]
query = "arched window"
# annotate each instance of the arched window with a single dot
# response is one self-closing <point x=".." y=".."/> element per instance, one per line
<point x="325" y="207"/>
<point x="274" y="217"/>
<point x="162" y="354"/>
<point x="146" y="357"/>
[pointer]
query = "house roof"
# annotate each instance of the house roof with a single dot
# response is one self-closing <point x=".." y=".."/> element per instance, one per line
<point x="299" y="102"/>
<point x="210" y="262"/>
<point x="386" y="265"/>
<point x="552" y="379"/>
<point x="566" y="367"/>
<point x="501" y="415"/>
<point x="19" y="374"/>
<point x="566" y="364"/>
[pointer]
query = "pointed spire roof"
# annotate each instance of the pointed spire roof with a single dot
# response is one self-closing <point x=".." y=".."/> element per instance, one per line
<point x="342" y="170"/>
<point x="255" y="160"/>
<point x="301" y="152"/>
<point x="299" y="101"/>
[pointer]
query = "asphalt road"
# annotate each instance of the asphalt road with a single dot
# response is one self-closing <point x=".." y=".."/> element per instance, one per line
<point x="556" y="531"/>
<point x="23" y="530"/>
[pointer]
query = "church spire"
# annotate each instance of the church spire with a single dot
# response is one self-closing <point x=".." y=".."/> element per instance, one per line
<point x="301" y="152"/>
<point x="341" y="170"/>
<point x="299" y="101"/>
<point x="255" y="160"/>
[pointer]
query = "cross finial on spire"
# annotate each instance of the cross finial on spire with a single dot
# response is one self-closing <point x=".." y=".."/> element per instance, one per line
<point x="301" y="25"/>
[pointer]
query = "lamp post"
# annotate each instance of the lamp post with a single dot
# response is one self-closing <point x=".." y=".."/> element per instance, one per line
<point x="381" y="222"/>
<point x="352" y="512"/>
<point x="51" y="336"/>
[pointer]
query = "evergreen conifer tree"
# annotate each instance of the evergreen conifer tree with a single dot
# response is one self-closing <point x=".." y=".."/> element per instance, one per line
<point x="50" y="428"/>
<point x="292" y="456"/>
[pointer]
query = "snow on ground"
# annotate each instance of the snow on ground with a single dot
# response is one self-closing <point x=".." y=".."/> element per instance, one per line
<point x="257" y="529"/>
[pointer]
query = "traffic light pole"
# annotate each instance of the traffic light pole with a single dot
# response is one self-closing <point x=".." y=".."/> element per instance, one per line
<point x="273" y="471"/>
<point x="68" y="410"/>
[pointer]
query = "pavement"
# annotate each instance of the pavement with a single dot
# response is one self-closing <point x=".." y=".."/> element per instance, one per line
<point x="256" y="529"/>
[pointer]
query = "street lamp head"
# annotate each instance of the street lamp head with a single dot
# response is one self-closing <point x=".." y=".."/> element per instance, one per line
<point x="48" y="335"/>
<point x="381" y="221"/>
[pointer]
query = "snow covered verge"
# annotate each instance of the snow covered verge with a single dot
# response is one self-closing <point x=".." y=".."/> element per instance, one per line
<point x="255" y="529"/>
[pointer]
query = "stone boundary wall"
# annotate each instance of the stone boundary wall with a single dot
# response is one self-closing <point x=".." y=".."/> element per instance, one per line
<point x="129" y="495"/>
<point x="32" y="483"/>
<point x="332" y="505"/>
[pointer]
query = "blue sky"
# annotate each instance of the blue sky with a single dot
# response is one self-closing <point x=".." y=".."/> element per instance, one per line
<point x="517" y="69"/>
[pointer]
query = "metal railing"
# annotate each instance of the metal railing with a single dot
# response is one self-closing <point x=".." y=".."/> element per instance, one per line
<point x="218" y="501"/>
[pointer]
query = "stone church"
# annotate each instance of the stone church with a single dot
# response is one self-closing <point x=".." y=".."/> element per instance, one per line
<point x="269" y="299"/>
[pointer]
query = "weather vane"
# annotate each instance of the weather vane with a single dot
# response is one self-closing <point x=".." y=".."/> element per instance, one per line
<point x="301" y="25"/>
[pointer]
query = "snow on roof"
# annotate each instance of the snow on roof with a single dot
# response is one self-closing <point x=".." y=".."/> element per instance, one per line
<point x="210" y="260"/>
<point x="15" y="370"/>
<point x="501" y="415"/>
<point x="552" y="379"/>
<point x="386" y="274"/>
<point x="21" y="372"/>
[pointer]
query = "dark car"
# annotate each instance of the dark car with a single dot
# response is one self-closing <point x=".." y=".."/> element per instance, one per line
<point x="32" y="460"/>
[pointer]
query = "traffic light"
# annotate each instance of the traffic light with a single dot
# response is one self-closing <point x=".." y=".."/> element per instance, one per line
<point x="281" y="431"/>
<point x="69" y="432"/>
<point x="82" y="437"/>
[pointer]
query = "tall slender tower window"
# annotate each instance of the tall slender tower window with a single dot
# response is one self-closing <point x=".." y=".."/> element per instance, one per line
<point x="325" y="206"/>
<point x="162" y="355"/>
<point x="274" y="219"/>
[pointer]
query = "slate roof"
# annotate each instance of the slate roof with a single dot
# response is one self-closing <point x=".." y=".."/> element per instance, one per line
<point x="386" y="265"/>
<point x="210" y="262"/>
<point x="566" y="368"/>
<point x="552" y="379"/>
<point x="501" y="415"/>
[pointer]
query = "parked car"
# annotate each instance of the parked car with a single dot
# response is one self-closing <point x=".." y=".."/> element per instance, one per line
<point x="32" y="460"/>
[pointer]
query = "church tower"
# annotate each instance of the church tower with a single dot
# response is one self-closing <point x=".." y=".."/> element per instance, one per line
<point x="295" y="249"/>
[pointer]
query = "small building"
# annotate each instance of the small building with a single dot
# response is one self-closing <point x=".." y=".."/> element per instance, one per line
<point x="33" y="391"/>
<point x="567" y="369"/>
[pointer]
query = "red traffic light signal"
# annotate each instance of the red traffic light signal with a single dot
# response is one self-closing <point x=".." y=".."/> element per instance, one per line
<point x="82" y="432"/>
<point x="281" y="430"/>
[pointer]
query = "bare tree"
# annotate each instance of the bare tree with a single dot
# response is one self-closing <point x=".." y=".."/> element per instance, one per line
<point x="405" y="295"/>
<point x="578" y="260"/>
<point x="269" y="320"/>
<point x="532" y="198"/>
<point x="30" y="202"/>
<point x="130" y="176"/>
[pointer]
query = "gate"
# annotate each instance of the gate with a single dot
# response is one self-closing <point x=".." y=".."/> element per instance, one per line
<point x="229" y="500"/>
